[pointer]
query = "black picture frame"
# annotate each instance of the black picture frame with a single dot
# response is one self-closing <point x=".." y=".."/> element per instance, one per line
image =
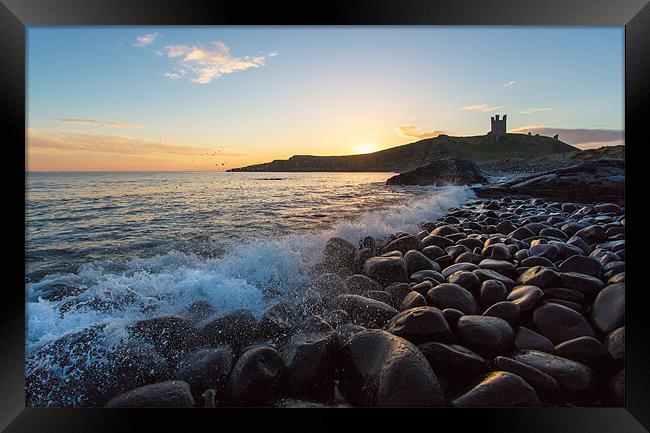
<point x="16" y="15"/>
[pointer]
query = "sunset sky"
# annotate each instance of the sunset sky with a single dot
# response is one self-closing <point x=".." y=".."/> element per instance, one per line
<point x="213" y="98"/>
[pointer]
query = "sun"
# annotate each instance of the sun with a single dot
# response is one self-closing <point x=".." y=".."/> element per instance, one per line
<point x="365" y="146"/>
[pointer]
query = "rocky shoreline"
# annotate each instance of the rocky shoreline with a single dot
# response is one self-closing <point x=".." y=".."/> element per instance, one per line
<point x="502" y="302"/>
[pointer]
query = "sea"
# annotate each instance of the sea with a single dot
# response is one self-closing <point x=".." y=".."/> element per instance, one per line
<point x="111" y="248"/>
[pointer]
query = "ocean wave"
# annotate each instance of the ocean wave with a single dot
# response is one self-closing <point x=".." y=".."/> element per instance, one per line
<point x="251" y="275"/>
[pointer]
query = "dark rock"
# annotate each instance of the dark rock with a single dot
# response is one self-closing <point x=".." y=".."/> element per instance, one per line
<point x="381" y="369"/>
<point x="527" y="339"/>
<point x="446" y="272"/>
<point x="399" y="290"/>
<point x="560" y="324"/>
<point x="469" y="258"/>
<point x="344" y="333"/>
<point x="329" y="284"/>
<point x="487" y="274"/>
<point x="429" y="275"/>
<point x="279" y="322"/>
<point x="570" y="375"/>
<point x="526" y="297"/>
<point x="172" y="336"/>
<point x="448" y="295"/>
<point x="255" y="377"/>
<point x="608" y="311"/>
<point x="470" y="243"/>
<point x="592" y="234"/>
<point x="586" y="350"/>
<point x="365" y="311"/>
<point x="506" y="310"/>
<point x="382" y="296"/>
<point x="616" y="389"/>
<point x="445" y="261"/>
<point x="175" y="393"/>
<point x="412" y="300"/>
<point x="436" y="241"/>
<point x="237" y="328"/>
<point x="565" y="294"/>
<point x="336" y="318"/>
<point x="309" y="365"/>
<point x="423" y="287"/>
<point x="553" y="232"/>
<point x="498" y="251"/>
<point x="587" y="285"/>
<point x="360" y="284"/>
<point x="416" y="261"/>
<point x="572" y="305"/>
<point x="444" y="230"/>
<point x="451" y="316"/>
<point x="536" y="378"/>
<point x="540" y="277"/>
<point x="465" y="279"/>
<point x="500" y="266"/>
<point x="488" y="336"/>
<point x="615" y="345"/>
<point x="499" y="389"/>
<point x="492" y="291"/>
<point x="386" y="270"/>
<point x="433" y="252"/>
<point x="198" y="311"/>
<point x="404" y="244"/>
<point x="544" y="250"/>
<point x="582" y="265"/>
<point x="419" y="325"/>
<point x="441" y="172"/>
<point x="206" y="369"/>
<point x="505" y="227"/>
<point x="521" y="233"/>
<point x="537" y="261"/>
<point x="360" y="258"/>
<point x="452" y="362"/>
<point x="316" y="324"/>
<point x="339" y="253"/>
<point x="579" y="243"/>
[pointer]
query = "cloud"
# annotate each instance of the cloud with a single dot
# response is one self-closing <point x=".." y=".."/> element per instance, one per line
<point x="535" y="110"/>
<point x="103" y="123"/>
<point x="580" y="137"/>
<point x="146" y="40"/>
<point x="480" y="107"/>
<point x="204" y="64"/>
<point x="411" y="131"/>
<point x="509" y="83"/>
<point x="88" y="151"/>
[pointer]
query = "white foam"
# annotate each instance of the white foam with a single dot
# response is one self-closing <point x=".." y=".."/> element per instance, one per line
<point x="241" y="278"/>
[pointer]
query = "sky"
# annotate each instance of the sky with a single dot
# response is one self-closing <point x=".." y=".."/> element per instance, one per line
<point x="214" y="98"/>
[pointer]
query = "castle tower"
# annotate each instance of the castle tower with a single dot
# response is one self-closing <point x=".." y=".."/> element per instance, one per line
<point x="498" y="128"/>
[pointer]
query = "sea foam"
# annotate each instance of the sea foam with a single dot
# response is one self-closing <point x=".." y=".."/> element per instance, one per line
<point x="252" y="275"/>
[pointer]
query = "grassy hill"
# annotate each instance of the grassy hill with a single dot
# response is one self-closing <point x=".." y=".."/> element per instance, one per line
<point x="410" y="156"/>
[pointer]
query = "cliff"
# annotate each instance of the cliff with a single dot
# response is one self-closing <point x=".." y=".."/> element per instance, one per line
<point x="413" y="155"/>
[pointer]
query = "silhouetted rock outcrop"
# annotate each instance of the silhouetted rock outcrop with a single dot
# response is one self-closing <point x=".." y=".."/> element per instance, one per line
<point x="441" y="172"/>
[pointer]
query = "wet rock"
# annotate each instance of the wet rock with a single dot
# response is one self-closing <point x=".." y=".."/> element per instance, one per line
<point x="451" y="316"/>
<point x="492" y="291"/>
<point x="360" y="284"/>
<point x="570" y="375"/>
<point x="521" y="233"/>
<point x="398" y="290"/>
<point x="497" y="251"/>
<point x="608" y="311"/>
<point x="198" y="311"/>
<point x="412" y="300"/>
<point x="540" y="277"/>
<point x="446" y="272"/>
<point x="469" y="258"/>
<point x="386" y="270"/>
<point x="309" y="365"/>
<point x="448" y="295"/>
<point x="421" y="276"/>
<point x="615" y="345"/>
<point x="339" y="253"/>
<point x="174" y="393"/>
<point x="506" y="310"/>
<point x="316" y="324"/>
<point x="592" y="235"/>
<point x="172" y="336"/>
<point x="499" y="389"/>
<point x="487" y="274"/>
<point x="527" y="339"/>
<point x="586" y="350"/>
<point x="451" y="361"/>
<point x="526" y="297"/>
<point x="537" y="379"/>
<point x="501" y="266"/>
<point x="381" y="369"/>
<point x="441" y="172"/>
<point x="404" y="244"/>
<point x="206" y="368"/>
<point x="587" y="285"/>
<point x="488" y="336"/>
<point x="544" y="250"/>
<point x="329" y="284"/>
<point x="344" y="333"/>
<point x="255" y="377"/>
<point x="433" y="252"/>
<point x="279" y="322"/>
<point x="437" y="241"/>
<point x="444" y="230"/>
<point x="616" y="388"/>
<point x="560" y="324"/>
<point x="565" y="295"/>
<point x="416" y="261"/>
<point x="419" y="325"/>
<point x="382" y="296"/>
<point x="537" y="261"/>
<point x="236" y="328"/>
<point x="553" y="232"/>
<point x="365" y="311"/>
<point x="465" y="279"/>
<point x="360" y="258"/>
<point x="582" y="265"/>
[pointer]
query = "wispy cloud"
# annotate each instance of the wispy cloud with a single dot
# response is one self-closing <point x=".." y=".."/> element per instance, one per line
<point x="580" y="137"/>
<point x="102" y="123"/>
<point x="47" y="149"/>
<point x="509" y="83"/>
<point x="146" y="40"/>
<point x="535" y="110"/>
<point x="411" y="131"/>
<point x="204" y="64"/>
<point x="480" y="107"/>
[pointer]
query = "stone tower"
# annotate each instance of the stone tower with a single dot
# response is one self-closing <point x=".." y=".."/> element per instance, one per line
<point x="498" y="126"/>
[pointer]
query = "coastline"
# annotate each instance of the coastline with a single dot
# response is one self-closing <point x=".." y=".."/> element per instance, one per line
<point x="459" y="313"/>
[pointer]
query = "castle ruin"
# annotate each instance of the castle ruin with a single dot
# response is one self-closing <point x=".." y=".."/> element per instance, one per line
<point x="498" y="128"/>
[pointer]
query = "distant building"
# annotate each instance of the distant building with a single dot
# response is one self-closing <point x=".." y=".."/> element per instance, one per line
<point x="498" y="128"/>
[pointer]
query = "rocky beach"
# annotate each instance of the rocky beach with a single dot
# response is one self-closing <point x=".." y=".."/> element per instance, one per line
<point x="509" y="300"/>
